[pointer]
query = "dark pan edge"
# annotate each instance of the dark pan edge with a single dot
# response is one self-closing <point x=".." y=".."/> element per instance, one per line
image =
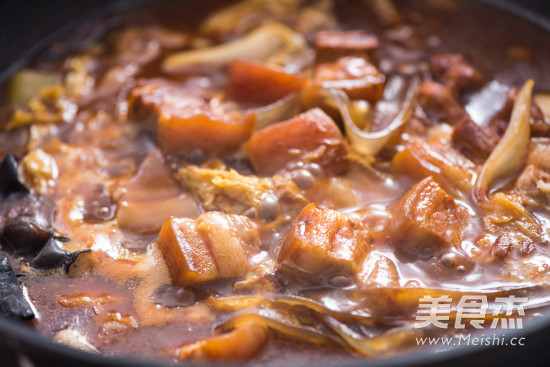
<point x="31" y="52"/>
<point x="512" y="7"/>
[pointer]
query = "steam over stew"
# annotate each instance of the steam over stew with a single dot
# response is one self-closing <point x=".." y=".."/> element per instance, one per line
<point x="271" y="181"/>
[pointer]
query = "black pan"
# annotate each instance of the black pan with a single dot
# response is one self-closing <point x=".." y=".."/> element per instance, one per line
<point x="26" y="26"/>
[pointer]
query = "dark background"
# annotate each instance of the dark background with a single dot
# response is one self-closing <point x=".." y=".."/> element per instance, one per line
<point x="27" y="25"/>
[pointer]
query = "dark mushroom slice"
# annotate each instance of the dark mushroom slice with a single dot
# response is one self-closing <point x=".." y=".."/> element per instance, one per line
<point x="24" y="236"/>
<point x="12" y="303"/>
<point x="40" y="208"/>
<point x="9" y="179"/>
<point x="52" y="256"/>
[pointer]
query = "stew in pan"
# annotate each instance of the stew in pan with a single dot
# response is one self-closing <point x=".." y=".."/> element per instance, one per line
<point x="278" y="181"/>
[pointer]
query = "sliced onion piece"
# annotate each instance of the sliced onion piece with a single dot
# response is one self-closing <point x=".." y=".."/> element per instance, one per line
<point x="235" y="17"/>
<point x="271" y="42"/>
<point x="308" y="320"/>
<point x="510" y="153"/>
<point x="277" y="111"/>
<point x="289" y="325"/>
<point x="295" y="103"/>
<point x="306" y="325"/>
<point x="240" y="303"/>
<point x="370" y="143"/>
<point x="381" y="345"/>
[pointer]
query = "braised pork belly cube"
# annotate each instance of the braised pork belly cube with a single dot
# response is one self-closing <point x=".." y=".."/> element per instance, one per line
<point x="356" y="76"/>
<point x="312" y="136"/>
<point x="459" y="75"/>
<point x="533" y="185"/>
<point x="150" y="96"/>
<point x="439" y="104"/>
<point x="188" y="256"/>
<point x="260" y="83"/>
<point x="428" y="219"/>
<point x="325" y="243"/>
<point x="213" y="246"/>
<point x="475" y="140"/>
<point x="185" y="122"/>
<point x="447" y="166"/>
<point x="192" y="128"/>
<point x="330" y="45"/>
